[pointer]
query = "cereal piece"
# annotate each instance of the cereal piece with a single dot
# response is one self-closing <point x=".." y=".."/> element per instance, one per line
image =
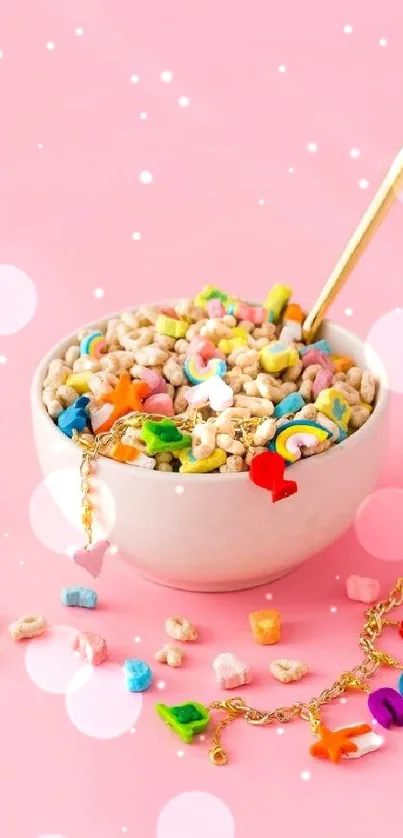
<point x="291" y="404"/>
<point x="251" y="388"/>
<point x="75" y="417"/>
<point x="307" y="412"/>
<point x="337" y="434"/>
<point x="266" y="626"/>
<point x="163" y="436"/>
<point x="332" y="403"/>
<point x="72" y="354"/>
<point x="57" y="375"/>
<point x="151" y="356"/>
<point x="231" y="672"/>
<point x="138" y="675"/>
<point x="321" y="345"/>
<point x="228" y="415"/>
<point x="253" y="452"/>
<point x="306" y="389"/>
<point x="316" y="356"/>
<point x="190" y="465"/>
<point x="67" y="395"/>
<point x="186" y="720"/>
<point x="368" y="387"/>
<point x="277" y="356"/>
<point x="179" y="628"/>
<point x="174" y="373"/>
<point x="51" y="402"/>
<point x="323" y="380"/>
<point x="233" y="465"/>
<point x="101" y="382"/>
<point x="285" y="670"/>
<point x="27" y="627"/>
<point x="79" y="596"/>
<point x="257" y="407"/>
<point x="91" y="646"/>
<point x="311" y="372"/>
<point x="265" y="432"/>
<point x="214" y="391"/>
<point x="348" y="392"/>
<point x="270" y="388"/>
<point x="87" y="364"/>
<point x="359" y="415"/>
<point x="149" y="313"/>
<point x="172" y="655"/>
<point x="362" y="589"/>
<point x="170" y="327"/>
<point x="276" y="300"/>
<point x="293" y="373"/>
<point x="229" y="444"/>
<point x="159" y="403"/>
<point x="203" y="440"/>
<point x="354" y="376"/>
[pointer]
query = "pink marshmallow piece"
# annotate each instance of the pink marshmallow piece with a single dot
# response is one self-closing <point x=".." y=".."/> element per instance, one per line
<point x="155" y="381"/>
<point x="323" y="380"/>
<point x="91" y="646"/>
<point x="362" y="589"/>
<point x="159" y="403"/>
<point x="215" y="308"/>
<point x="205" y="348"/>
<point x="315" y="356"/>
<point x="231" y="672"/>
<point x="170" y="312"/>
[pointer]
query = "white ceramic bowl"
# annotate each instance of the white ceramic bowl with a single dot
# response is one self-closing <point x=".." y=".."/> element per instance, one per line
<point x="215" y="532"/>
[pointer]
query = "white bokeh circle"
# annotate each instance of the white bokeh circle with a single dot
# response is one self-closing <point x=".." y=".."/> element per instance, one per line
<point x="379" y="524"/>
<point x="18" y="299"/>
<point x="55" y="510"/>
<point x="103" y="707"/>
<point x="51" y="662"/>
<point x="196" y="813"/>
<point x="384" y="339"/>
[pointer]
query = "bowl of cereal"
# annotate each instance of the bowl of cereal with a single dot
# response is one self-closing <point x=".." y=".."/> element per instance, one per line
<point x="216" y="383"/>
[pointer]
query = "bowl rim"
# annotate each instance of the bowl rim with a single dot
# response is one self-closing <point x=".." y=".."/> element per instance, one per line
<point x="151" y="474"/>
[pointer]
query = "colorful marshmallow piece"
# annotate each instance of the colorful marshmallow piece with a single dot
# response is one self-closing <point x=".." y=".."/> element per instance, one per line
<point x="155" y="381"/>
<point x="277" y="356"/>
<point x="322" y="381"/>
<point x="91" y="558"/>
<point x="138" y="675"/>
<point x="290" y="404"/>
<point x="197" y="371"/>
<point x="333" y="404"/>
<point x="334" y="744"/>
<point x="266" y="626"/>
<point x="321" y="345"/>
<point x="78" y="596"/>
<point x="189" y="464"/>
<point x="171" y="327"/>
<point x="386" y="706"/>
<point x="316" y="356"/>
<point x="163" y="436"/>
<point x="91" y="646"/>
<point x="209" y="292"/>
<point x="231" y="672"/>
<point x="267" y="471"/>
<point x="294" y="314"/>
<point x="363" y="589"/>
<point x="214" y="392"/>
<point x="215" y="308"/>
<point x="290" y="332"/>
<point x="276" y="300"/>
<point x="79" y="381"/>
<point x="228" y="345"/>
<point x="74" y="417"/>
<point x="204" y="347"/>
<point x="159" y="403"/>
<point x="292" y="436"/>
<point x="341" y="363"/>
<point x="365" y="743"/>
<point x="93" y="344"/>
<point x="187" y="720"/>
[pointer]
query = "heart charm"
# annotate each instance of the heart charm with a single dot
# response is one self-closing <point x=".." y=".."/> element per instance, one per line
<point x="267" y="471"/>
<point x="91" y="557"/>
<point x="231" y="672"/>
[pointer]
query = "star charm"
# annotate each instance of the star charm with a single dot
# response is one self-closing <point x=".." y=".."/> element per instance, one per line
<point x="333" y="744"/>
<point x="125" y="398"/>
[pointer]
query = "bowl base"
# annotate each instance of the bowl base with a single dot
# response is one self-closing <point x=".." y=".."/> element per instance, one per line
<point x="219" y="587"/>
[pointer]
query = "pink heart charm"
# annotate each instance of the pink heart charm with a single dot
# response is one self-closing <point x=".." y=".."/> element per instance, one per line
<point x="91" y="558"/>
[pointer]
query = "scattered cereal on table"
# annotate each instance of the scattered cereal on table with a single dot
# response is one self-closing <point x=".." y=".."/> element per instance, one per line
<point x="91" y="646"/>
<point x="362" y="589"/>
<point x="27" y="627"/>
<point x="285" y="670"/>
<point x="138" y="675"/>
<point x="172" y="655"/>
<point x="266" y="626"/>
<point x="79" y="596"/>
<point x="186" y="720"/>
<point x="231" y="672"/>
<point x="180" y="629"/>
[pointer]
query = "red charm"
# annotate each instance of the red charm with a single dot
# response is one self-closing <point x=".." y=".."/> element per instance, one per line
<point x="267" y="471"/>
<point x="401" y="629"/>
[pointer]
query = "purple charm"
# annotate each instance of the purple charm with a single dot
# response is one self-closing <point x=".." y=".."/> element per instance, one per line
<point x="386" y="706"/>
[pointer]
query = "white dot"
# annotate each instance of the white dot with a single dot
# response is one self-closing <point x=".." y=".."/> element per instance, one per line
<point x="79" y="31"/>
<point x="333" y="609"/>
<point x="343" y="701"/>
<point x="1" y="53"/>
<point x="354" y="153"/>
<point x="291" y="170"/>
<point x="383" y="42"/>
<point x="137" y="639"/>
<point x="5" y="535"/>
<point x="113" y="549"/>
<point x="102" y="707"/>
<point x="202" y="737"/>
<point x="183" y="101"/>
<point x="134" y="79"/>
<point x="49" y="662"/>
<point x="363" y="183"/>
<point x="374" y="722"/>
<point x="161" y="685"/>
<point x="21" y="563"/>
<point x="145" y="177"/>
<point x="305" y="775"/>
<point x="261" y="201"/>
<point x="136" y="237"/>
<point x="143" y="115"/>
<point x="50" y="45"/>
<point x="166" y="76"/>
<point x="132" y="730"/>
<point x="337" y="578"/>
<point x="268" y="596"/>
<point x="17" y="299"/>
<point x="3" y="359"/>
<point x="196" y="814"/>
<point x="40" y="145"/>
<point x="180" y="753"/>
<point x="99" y="293"/>
<point x="282" y="68"/>
<point x="348" y="312"/>
<point x="347" y="29"/>
<point x="124" y="828"/>
<point x="179" y="490"/>
<point x="280" y="730"/>
<point x="312" y="147"/>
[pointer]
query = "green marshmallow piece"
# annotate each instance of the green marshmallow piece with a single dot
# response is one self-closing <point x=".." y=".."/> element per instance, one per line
<point x="185" y="719"/>
<point x="163" y="436"/>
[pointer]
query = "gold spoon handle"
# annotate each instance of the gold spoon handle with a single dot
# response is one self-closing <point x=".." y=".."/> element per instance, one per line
<point x="372" y="218"/>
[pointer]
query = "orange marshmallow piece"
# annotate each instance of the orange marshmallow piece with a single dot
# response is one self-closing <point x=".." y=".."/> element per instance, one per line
<point x="341" y="363"/>
<point x="266" y="626"/>
<point x="295" y="313"/>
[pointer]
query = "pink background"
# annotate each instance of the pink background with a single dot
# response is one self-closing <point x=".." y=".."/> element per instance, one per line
<point x="239" y="197"/>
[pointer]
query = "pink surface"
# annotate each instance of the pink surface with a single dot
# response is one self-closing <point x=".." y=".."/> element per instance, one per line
<point x="251" y="165"/>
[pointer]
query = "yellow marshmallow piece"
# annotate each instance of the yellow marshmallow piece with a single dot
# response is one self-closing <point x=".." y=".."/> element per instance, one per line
<point x="332" y="404"/>
<point x="240" y="332"/>
<point x="172" y="328"/>
<point x="276" y="300"/>
<point x="192" y="466"/>
<point x="228" y="345"/>
<point x="277" y="356"/>
<point x="80" y="381"/>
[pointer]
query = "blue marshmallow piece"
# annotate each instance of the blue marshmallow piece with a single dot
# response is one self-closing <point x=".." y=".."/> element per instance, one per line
<point x="322" y="345"/>
<point x="291" y="404"/>
<point x="138" y="675"/>
<point x="80" y="596"/>
<point x="75" y="417"/>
